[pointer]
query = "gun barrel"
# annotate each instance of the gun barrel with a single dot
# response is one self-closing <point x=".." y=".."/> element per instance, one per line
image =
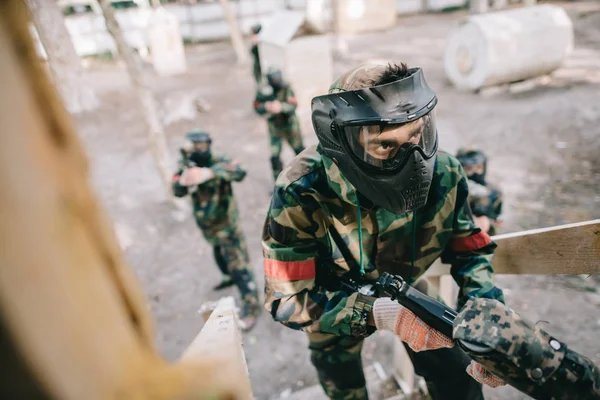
<point x="434" y="313"/>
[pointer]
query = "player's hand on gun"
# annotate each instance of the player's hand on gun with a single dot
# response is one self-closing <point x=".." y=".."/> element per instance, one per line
<point x="481" y="375"/>
<point x="390" y="315"/>
<point x="195" y="176"/>
<point x="273" y="107"/>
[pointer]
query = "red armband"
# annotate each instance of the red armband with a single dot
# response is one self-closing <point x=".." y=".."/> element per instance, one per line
<point x="290" y="270"/>
<point x="470" y="243"/>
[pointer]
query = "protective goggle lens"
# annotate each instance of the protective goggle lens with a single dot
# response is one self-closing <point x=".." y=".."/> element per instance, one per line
<point x="386" y="146"/>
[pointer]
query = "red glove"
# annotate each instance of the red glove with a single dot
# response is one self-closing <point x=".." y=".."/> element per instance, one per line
<point x="481" y="375"/>
<point x="389" y="315"/>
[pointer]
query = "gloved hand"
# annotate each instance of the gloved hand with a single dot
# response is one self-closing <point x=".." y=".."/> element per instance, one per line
<point x="273" y="107"/>
<point x="391" y="316"/>
<point x="195" y="176"/>
<point x="481" y="375"/>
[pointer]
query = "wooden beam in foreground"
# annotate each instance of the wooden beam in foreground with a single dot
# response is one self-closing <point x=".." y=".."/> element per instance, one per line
<point x="74" y="323"/>
<point x="221" y="339"/>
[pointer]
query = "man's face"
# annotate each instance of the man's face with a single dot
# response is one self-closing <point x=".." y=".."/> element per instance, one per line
<point x="385" y="145"/>
<point x="474" y="169"/>
<point x="202" y="146"/>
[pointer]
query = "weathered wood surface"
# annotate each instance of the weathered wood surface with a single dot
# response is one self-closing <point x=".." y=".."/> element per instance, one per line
<point x="566" y="249"/>
<point x="71" y="312"/>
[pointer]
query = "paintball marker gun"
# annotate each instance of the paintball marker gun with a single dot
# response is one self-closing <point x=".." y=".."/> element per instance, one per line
<point x="187" y="163"/>
<point x="434" y="313"/>
<point x="558" y="373"/>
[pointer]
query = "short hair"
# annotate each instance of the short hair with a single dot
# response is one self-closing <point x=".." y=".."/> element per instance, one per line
<point x="392" y="73"/>
<point x="370" y="75"/>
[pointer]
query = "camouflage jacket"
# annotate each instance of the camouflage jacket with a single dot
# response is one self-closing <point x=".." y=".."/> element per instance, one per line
<point x="213" y="200"/>
<point x="285" y="95"/>
<point x="485" y="200"/>
<point x="311" y="234"/>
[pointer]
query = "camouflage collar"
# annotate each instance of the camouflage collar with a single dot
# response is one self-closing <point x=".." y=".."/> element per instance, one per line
<point x="339" y="184"/>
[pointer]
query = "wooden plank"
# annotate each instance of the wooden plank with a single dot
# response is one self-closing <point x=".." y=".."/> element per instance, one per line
<point x="71" y="309"/>
<point x="207" y="308"/>
<point x="234" y="32"/>
<point x="221" y="339"/>
<point x="564" y="249"/>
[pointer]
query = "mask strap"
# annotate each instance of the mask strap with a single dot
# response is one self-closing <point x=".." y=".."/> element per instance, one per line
<point x="412" y="250"/>
<point x="360" y="246"/>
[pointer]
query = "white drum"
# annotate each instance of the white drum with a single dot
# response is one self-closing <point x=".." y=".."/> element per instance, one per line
<point x="508" y="46"/>
<point x="166" y="43"/>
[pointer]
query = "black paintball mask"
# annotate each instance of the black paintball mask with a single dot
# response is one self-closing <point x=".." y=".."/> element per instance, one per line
<point x="200" y="157"/>
<point x="470" y="158"/>
<point x="256" y="28"/>
<point x="383" y="138"/>
<point x="275" y="78"/>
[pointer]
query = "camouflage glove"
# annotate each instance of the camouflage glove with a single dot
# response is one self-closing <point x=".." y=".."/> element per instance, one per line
<point x="391" y="316"/>
<point x="481" y="375"/>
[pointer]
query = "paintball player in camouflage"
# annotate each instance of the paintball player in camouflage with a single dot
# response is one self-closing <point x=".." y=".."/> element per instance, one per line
<point x="256" y="70"/>
<point x="207" y="179"/>
<point x="374" y="196"/>
<point x="276" y="99"/>
<point x="485" y="199"/>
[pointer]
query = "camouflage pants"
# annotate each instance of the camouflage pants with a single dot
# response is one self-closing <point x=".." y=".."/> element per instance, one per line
<point x="278" y="133"/>
<point x="339" y="366"/>
<point x="231" y="255"/>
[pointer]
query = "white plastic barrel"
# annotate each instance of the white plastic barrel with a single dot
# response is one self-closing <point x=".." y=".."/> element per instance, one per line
<point x="508" y="46"/>
<point x="166" y="44"/>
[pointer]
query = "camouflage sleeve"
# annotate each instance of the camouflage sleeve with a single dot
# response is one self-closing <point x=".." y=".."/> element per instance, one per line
<point x="289" y="105"/>
<point x="470" y="252"/>
<point x="259" y="104"/>
<point x="229" y="170"/>
<point x="496" y="198"/>
<point x="178" y="189"/>
<point x="485" y="200"/>
<point x="291" y="295"/>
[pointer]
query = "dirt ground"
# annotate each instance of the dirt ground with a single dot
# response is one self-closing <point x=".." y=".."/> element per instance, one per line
<point x="543" y="146"/>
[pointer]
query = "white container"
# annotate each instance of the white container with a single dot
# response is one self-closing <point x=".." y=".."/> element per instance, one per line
<point x="305" y="60"/>
<point x="508" y="46"/>
<point x="166" y="44"/>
